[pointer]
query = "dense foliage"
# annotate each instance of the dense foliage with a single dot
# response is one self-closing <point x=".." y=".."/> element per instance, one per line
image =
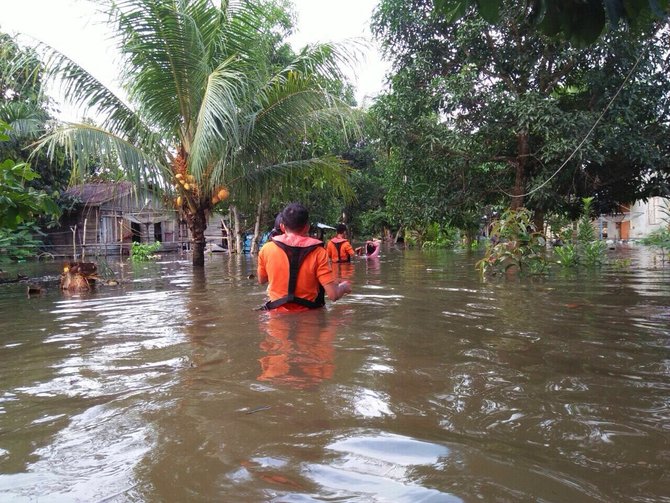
<point x="580" y="21"/>
<point x="493" y="104"/>
<point x="144" y="252"/>
<point x="503" y="115"/>
<point x="21" y="205"/>
<point x="27" y="110"/>
<point x="214" y="102"/>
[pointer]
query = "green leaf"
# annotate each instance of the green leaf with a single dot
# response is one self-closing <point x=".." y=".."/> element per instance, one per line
<point x="10" y="218"/>
<point x="452" y="9"/>
<point x="489" y="10"/>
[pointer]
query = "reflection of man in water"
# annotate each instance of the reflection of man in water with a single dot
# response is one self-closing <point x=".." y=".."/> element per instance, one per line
<point x="299" y="349"/>
<point x="344" y="271"/>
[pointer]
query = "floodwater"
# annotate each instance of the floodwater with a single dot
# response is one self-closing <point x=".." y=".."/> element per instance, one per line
<point x="426" y="384"/>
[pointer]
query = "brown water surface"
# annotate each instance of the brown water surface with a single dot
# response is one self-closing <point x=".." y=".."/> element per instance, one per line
<point x="425" y="385"/>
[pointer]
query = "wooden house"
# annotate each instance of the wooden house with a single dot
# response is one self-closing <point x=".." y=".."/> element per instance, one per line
<point x="111" y="216"/>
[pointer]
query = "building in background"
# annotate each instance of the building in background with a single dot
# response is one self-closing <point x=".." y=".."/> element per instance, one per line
<point x="110" y="216"/>
<point x="635" y="221"/>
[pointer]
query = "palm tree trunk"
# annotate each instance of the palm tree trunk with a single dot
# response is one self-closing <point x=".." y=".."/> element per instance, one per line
<point x="197" y="223"/>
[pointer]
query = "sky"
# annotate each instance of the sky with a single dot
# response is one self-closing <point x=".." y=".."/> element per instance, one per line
<point x="70" y="27"/>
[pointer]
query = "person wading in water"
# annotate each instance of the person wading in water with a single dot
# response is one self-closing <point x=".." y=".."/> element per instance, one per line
<point x="339" y="249"/>
<point x="296" y="268"/>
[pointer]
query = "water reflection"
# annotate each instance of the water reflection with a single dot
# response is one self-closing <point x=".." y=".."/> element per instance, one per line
<point x="344" y="270"/>
<point x="299" y="348"/>
<point x="77" y="402"/>
<point x="381" y="467"/>
<point x="425" y="384"/>
<point x="373" y="269"/>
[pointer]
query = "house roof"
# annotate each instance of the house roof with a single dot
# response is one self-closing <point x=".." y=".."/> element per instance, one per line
<point x="98" y="193"/>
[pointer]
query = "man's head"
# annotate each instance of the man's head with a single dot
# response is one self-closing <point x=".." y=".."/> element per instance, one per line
<point x="276" y="230"/>
<point x="295" y="217"/>
<point x="341" y="228"/>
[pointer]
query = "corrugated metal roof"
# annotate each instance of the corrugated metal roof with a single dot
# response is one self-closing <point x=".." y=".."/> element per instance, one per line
<point x="94" y="194"/>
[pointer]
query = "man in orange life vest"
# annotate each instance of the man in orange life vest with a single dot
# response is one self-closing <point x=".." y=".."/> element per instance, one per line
<point x="339" y="249"/>
<point x="296" y="266"/>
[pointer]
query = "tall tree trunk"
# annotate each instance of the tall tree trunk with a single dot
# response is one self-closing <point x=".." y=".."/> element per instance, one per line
<point x="236" y="229"/>
<point x="257" y="228"/>
<point x="197" y="223"/>
<point x="226" y="236"/>
<point x="263" y="205"/>
<point x="520" y="175"/>
<point x="538" y="220"/>
<point x="397" y="234"/>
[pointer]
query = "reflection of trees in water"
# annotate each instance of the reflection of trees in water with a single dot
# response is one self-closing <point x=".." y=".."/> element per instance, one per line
<point x="201" y="426"/>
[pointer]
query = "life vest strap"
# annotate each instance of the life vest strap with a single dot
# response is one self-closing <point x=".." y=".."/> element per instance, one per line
<point x="296" y="256"/>
<point x="338" y="246"/>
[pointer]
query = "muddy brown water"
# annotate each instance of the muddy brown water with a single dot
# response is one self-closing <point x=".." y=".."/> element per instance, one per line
<point x="425" y="385"/>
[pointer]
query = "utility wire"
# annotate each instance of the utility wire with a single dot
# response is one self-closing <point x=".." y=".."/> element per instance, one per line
<point x="578" y="147"/>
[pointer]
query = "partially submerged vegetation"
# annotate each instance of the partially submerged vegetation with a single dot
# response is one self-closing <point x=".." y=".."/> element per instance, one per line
<point x="144" y="252"/>
<point x="478" y="115"/>
<point x="660" y="239"/>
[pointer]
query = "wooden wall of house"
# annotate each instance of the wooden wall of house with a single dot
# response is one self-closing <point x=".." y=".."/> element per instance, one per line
<point x="109" y="227"/>
<point x="69" y="238"/>
<point x="213" y="231"/>
<point x="88" y="226"/>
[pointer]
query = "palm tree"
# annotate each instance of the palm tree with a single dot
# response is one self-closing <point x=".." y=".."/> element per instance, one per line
<point x="207" y="113"/>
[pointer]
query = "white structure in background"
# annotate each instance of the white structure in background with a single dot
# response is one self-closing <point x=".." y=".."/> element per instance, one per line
<point x="635" y="221"/>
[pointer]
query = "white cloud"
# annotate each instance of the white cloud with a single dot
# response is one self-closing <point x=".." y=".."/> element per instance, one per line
<point x="71" y="27"/>
<point x="338" y="21"/>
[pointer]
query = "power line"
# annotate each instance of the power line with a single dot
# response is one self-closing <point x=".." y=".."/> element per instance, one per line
<point x="578" y="147"/>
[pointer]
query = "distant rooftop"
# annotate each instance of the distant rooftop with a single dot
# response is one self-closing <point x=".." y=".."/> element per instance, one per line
<point x="101" y="192"/>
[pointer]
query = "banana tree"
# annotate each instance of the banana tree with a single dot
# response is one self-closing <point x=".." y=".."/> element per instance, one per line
<point x="206" y="114"/>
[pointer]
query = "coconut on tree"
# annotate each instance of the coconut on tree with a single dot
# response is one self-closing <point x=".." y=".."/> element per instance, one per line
<point x="209" y="107"/>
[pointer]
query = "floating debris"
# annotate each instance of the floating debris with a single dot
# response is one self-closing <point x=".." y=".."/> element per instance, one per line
<point x="34" y="290"/>
<point x="78" y="276"/>
<point x="258" y="409"/>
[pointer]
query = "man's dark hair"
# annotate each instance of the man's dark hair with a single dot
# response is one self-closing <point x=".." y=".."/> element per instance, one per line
<point x="295" y="216"/>
<point x="276" y="230"/>
<point x="341" y="228"/>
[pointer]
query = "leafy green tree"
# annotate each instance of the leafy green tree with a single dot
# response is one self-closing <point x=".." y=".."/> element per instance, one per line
<point x="209" y="106"/>
<point x="20" y="203"/>
<point x="427" y="170"/>
<point x="511" y="114"/>
<point x="584" y="248"/>
<point x="515" y="246"/>
<point x="629" y="150"/>
<point x="20" y="206"/>
<point x="580" y="21"/>
<point x="28" y="111"/>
